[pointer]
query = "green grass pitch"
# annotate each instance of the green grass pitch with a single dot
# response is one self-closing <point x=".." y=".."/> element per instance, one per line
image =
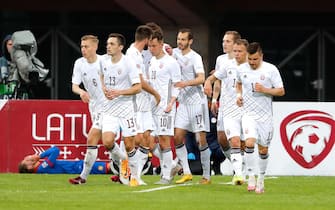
<point x="45" y="191"/>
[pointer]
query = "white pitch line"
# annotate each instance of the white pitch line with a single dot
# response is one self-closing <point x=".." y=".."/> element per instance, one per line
<point x="267" y="177"/>
<point x="162" y="188"/>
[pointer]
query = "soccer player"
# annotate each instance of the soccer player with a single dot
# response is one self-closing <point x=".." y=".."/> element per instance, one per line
<point x="229" y="113"/>
<point x="120" y="83"/>
<point x="47" y="163"/>
<point x="192" y="112"/>
<point x="86" y="71"/>
<point x="144" y="118"/>
<point x="228" y="41"/>
<point x="164" y="73"/>
<point x="257" y="82"/>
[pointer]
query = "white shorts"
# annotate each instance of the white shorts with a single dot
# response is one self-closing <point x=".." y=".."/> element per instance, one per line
<point x="96" y="118"/>
<point x="233" y="127"/>
<point x="192" y="117"/>
<point x="114" y="124"/>
<point x="220" y="122"/>
<point x="164" y="124"/>
<point x="261" y="131"/>
<point x="144" y="122"/>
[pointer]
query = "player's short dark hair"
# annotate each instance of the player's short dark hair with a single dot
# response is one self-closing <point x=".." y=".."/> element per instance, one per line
<point x="120" y="38"/>
<point x="157" y="35"/>
<point x="23" y="168"/>
<point x="188" y="31"/>
<point x="254" y="47"/>
<point x="143" y="32"/>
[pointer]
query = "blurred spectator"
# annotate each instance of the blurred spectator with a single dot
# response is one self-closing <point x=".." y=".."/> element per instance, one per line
<point x="7" y="86"/>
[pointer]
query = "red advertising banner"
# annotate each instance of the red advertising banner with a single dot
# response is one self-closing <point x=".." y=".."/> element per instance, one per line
<point x="32" y="126"/>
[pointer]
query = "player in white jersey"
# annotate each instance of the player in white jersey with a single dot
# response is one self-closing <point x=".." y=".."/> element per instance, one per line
<point x="229" y="113"/>
<point x="192" y="112"/>
<point x="120" y="82"/>
<point x="144" y="118"/>
<point x="164" y="73"/>
<point x="154" y="147"/>
<point x="228" y="41"/>
<point x="86" y="71"/>
<point x="258" y="81"/>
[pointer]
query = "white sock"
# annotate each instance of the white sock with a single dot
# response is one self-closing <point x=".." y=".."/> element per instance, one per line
<point x="118" y="152"/>
<point x="236" y="160"/>
<point x="250" y="161"/>
<point x="166" y="164"/>
<point x="181" y="153"/>
<point x="243" y="165"/>
<point x="90" y="157"/>
<point x="205" y="158"/>
<point x="133" y="163"/>
<point x="142" y="154"/>
<point x="263" y="163"/>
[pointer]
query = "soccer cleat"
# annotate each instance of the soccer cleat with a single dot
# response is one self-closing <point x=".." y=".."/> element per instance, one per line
<point x="163" y="181"/>
<point x="259" y="186"/>
<point x="124" y="172"/>
<point x="115" y="178"/>
<point x="204" y="181"/>
<point x="133" y="182"/>
<point x="238" y="180"/>
<point x="77" y="180"/>
<point x="184" y="178"/>
<point x="141" y="182"/>
<point x="251" y="183"/>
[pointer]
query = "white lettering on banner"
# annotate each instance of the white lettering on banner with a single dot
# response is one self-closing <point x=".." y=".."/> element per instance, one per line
<point x="58" y="128"/>
<point x="73" y="124"/>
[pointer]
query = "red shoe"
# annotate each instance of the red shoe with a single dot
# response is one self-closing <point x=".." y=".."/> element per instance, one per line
<point x="77" y="180"/>
<point x="115" y="178"/>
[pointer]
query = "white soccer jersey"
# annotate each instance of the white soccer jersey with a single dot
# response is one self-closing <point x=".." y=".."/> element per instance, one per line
<point x="258" y="105"/>
<point x="228" y="75"/>
<point x="221" y="60"/>
<point x="142" y="98"/>
<point x="88" y="74"/>
<point x="146" y="54"/>
<point x="163" y="73"/>
<point x="121" y="75"/>
<point x="190" y="64"/>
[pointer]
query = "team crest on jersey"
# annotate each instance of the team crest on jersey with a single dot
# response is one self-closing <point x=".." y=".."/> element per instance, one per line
<point x="161" y="65"/>
<point x="262" y="77"/>
<point x="100" y="168"/>
<point x="245" y="76"/>
<point x="85" y="74"/>
<point x="119" y="71"/>
<point x="105" y="69"/>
